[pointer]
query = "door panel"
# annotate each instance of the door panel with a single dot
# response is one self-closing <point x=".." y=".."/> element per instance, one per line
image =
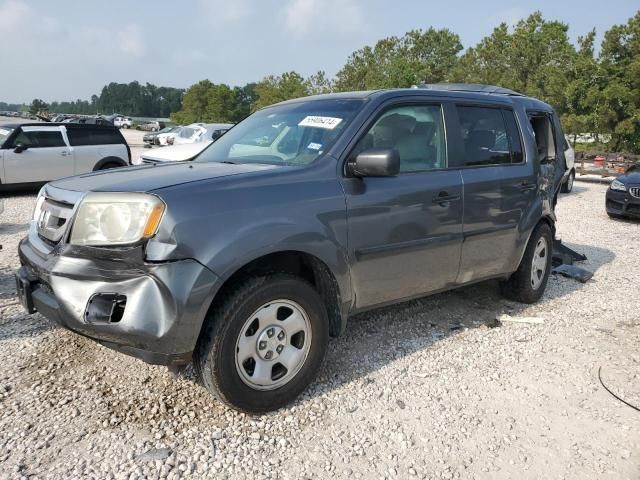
<point x="499" y="189"/>
<point x="496" y="199"/>
<point x="38" y="164"/>
<point x="402" y="242"/>
<point x="47" y="157"/>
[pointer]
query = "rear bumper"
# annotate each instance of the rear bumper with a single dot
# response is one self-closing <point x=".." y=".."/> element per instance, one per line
<point x="160" y="309"/>
<point x="622" y="203"/>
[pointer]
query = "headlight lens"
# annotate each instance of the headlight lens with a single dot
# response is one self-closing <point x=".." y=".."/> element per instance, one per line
<point x="618" y="185"/>
<point x="116" y="218"/>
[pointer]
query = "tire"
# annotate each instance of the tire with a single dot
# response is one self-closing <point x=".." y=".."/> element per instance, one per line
<point x="125" y="126"/>
<point x="110" y="165"/>
<point x="521" y="286"/>
<point x="568" y="185"/>
<point x="253" y="311"/>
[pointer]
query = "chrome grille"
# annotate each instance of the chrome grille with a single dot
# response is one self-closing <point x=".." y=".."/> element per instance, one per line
<point x="635" y="191"/>
<point x="52" y="220"/>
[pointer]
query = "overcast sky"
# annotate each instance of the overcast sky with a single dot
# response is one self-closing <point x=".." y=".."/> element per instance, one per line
<point x="68" y="49"/>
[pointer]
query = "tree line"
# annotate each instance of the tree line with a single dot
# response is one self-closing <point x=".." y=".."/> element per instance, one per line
<point x="594" y="91"/>
<point x="132" y="99"/>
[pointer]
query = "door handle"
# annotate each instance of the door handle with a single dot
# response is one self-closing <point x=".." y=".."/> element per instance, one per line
<point x="65" y="153"/>
<point x="444" y="199"/>
<point x="526" y="186"/>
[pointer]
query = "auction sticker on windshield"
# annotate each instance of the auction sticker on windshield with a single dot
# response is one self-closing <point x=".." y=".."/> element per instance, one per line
<point x="328" y="123"/>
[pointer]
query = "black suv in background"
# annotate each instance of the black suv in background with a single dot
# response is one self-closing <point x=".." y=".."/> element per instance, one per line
<point x="248" y="258"/>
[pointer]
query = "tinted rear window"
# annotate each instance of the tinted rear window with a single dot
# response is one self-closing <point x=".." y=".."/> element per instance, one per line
<point x="93" y="136"/>
<point x="490" y="136"/>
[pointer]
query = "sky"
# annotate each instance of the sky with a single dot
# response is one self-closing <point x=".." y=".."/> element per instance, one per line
<point x="67" y="49"/>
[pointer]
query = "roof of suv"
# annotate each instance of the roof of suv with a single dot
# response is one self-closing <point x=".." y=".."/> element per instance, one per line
<point x="470" y="91"/>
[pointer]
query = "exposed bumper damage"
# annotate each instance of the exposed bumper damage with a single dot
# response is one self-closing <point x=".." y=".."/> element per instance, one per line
<point x="153" y="311"/>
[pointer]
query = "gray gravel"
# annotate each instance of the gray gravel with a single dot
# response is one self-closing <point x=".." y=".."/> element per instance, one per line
<point x="422" y="390"/>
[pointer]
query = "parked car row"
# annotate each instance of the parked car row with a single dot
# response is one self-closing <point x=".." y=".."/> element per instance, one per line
<point x="187" y="142"/>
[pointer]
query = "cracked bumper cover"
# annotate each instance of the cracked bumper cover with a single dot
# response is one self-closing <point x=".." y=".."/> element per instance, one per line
<point x="166" y="303"/>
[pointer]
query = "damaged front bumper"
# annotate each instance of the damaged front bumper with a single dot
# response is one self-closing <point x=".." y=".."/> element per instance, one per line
<point x="153" y="311"/>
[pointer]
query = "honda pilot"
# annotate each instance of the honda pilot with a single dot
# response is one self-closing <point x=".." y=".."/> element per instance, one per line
<point x="247" y="259"/>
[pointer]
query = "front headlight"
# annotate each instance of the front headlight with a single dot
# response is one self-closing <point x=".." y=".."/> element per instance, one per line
<point x="106" y="219"/>
<point x="618" y="185"/>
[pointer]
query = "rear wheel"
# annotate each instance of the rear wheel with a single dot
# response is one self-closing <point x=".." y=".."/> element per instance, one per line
<point x="568" y="185"/>
<point x="264" y="344"/>
<point x="110" y="165"/>
<point x="528" y="283"/>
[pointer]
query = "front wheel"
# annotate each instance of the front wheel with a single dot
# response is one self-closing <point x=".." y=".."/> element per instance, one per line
<point x="568" y="185"/>
<point x="528" y="283"/>
<point x="263" y="344"/>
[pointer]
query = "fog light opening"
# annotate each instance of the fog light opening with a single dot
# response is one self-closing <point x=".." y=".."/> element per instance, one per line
<point x="105" y="308"/>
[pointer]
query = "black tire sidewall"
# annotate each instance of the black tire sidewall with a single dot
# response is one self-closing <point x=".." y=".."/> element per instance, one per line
<point x="518" y="286"/>
<point x="222" y="356"/>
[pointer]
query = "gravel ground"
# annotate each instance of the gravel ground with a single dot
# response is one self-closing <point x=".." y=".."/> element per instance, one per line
<point x="422" y="390"/>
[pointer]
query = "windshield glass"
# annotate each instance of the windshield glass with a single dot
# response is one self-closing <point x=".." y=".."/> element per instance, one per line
<point x="4" y="134"/>
<point x="294" y="134"/>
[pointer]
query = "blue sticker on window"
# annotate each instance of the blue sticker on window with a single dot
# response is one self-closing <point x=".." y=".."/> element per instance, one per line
<point x="314" y="146"/>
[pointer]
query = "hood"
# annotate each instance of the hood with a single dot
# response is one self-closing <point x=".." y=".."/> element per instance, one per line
<point x="177" y="153"/>
<point x="147" y="178"/>
<point x="631" y="177"/>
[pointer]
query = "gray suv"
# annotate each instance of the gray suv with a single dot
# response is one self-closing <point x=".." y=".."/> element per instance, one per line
<point x="245" y="260"/>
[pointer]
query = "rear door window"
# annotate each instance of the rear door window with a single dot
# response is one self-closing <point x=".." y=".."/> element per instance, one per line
<point x="485" y="138"/>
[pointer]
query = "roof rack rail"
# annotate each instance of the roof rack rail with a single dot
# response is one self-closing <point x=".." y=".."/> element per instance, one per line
<point x="469" y="87"/>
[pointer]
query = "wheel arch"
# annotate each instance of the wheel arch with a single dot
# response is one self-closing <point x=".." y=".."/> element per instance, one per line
<point x="295" y="262"/>
<point x="106" y="160"/>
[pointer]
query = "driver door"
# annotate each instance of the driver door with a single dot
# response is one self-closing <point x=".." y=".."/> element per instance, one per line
<point x="46" y="156"/>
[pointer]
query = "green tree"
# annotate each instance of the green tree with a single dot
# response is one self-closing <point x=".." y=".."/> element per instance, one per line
<point x="583" y="99"/>
<point x="619" y="58"/>
<point x="194" y="104"/>
<point x="38" y="106"/>
<point x="420" y="56"/>
<point x="532" y="59"/>
<point x="318" y="83"/>
<point x="274" y="89"/>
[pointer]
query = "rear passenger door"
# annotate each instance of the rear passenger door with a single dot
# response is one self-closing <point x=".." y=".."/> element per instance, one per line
<point x="45" y="157"/>
<point x="499" y="188"/>
<point x="93" y="144"/>
<point x="405" y="232"/>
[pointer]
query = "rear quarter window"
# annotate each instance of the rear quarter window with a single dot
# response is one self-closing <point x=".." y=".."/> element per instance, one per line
<point x="93" y="136"/>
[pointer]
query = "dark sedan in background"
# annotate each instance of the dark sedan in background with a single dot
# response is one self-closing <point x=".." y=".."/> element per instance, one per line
<point x="623" y="196"/>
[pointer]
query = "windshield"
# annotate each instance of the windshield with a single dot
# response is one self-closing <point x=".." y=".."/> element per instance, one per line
<point x="4" y="134"/>
<point x="294" y="134"/>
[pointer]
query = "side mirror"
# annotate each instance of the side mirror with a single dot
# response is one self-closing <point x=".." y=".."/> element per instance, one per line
<point x="376" y="162"/>
<point x="19" y="148"/>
